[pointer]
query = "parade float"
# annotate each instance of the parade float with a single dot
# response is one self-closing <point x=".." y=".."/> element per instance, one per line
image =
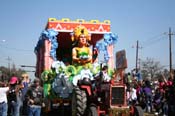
<point x="81" y="83"/>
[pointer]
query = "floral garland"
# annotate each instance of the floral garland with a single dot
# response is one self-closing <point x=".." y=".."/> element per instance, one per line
<point x="71" y="75"/>
<point x="109" y="39"/>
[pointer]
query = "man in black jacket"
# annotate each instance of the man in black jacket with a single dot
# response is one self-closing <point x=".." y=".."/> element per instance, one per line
<point x="34" y="97"/>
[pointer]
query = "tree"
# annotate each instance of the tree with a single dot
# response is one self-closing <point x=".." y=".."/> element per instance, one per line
<point x="6" y="74"/>
<point x="151" y="68"/>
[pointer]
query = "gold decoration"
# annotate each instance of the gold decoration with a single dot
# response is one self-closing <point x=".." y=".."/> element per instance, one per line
<point x="80" y="30"/>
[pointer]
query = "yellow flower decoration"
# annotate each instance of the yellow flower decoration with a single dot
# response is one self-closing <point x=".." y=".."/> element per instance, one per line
<point x="79" y="30"/>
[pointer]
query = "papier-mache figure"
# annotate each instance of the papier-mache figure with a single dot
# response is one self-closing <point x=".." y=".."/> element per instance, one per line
<point x="81" y="53"/>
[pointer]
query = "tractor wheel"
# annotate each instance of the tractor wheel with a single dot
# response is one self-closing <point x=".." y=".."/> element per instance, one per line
<point x="92" y="111"/>
<point x="138" y="111"/>
<point x="79" y="102"/>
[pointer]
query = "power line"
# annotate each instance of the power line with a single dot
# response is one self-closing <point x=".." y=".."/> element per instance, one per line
<point x="152" y="42"/>
<point x="168" y="65"/>
<point x="18" y="49"/>
<point x="152" y="39"/>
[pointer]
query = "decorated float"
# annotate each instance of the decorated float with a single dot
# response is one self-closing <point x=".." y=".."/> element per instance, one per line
<point x="55" y="42"/>
<point x="74" y="76"/>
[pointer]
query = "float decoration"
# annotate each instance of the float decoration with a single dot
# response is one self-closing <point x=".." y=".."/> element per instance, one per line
<point x="71" y="72"/>
<point x="58" y="66"/>
<point x="50" y="35"/>
<point x="48" y="76"/>
<point x="78" y="31"/>
<point x="109" y="39"/>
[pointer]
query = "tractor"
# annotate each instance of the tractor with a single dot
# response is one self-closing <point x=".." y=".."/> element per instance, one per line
<point x="101" y="96"/>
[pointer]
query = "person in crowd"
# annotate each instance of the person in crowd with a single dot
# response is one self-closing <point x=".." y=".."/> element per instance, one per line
<point x="168" y="95"/>
<point x="35" y="98"/>
<point x="161" y="85"/>
<point x="128" y="89"/>
<point x="14" y="97"/>
<point x="168" y="106"/>
<point x="128" y="86"/>
<point x="25" y="84"/>
<point x="139" y="91"/>
<point x="157" y="101"/>
<point x="3" y="99"/>
<point x="129" y="78"/>
<point x="133" y="95"/>
<point x="148" y="95"/>
<point x="106" y="77"/>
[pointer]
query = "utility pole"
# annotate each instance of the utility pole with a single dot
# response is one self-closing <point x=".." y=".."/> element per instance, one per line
<point x="8" y="59"/>
<point x="170" y="49"/>
<point x="137" y="47"/>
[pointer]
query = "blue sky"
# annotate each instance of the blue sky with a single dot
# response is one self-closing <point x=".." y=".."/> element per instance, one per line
<point x="144" y="20"/>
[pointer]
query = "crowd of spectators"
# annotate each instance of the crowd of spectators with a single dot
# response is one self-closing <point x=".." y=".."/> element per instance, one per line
<point x="20" y="97"/>
<point x="152" y="95"/>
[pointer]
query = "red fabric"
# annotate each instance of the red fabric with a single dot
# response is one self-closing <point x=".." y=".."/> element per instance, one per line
<point x="138" y="90"/>
<point x="161" y="86"/>
<point x="169" y="83"/>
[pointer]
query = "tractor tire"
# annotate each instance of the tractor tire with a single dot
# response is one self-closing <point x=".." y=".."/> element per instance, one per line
<point x="92" y="111"/>
<point x="138" y="111"/>
<point x="79" y="102"/>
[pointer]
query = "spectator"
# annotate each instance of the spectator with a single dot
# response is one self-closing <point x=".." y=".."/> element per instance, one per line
<point x="34" y="97"/>
<point x="157" y="101"/>
<point x="3" y="99"/>
<point x="129" y="78"/>
<point x="168" y="104"/>
<point x="14" y="94"/>
<point x="139" y="90"/>
<point x="148" y="96"/>
<point x="169" y="96"/>
<point x="161" y="85"/>
<point x="133" y="95"/>
<point x="25" y="83"/>
<point x="106" y="77"/>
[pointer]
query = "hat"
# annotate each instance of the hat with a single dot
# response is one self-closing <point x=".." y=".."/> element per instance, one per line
<point x="79" y="30"/>
<point x="13" y="80"/>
